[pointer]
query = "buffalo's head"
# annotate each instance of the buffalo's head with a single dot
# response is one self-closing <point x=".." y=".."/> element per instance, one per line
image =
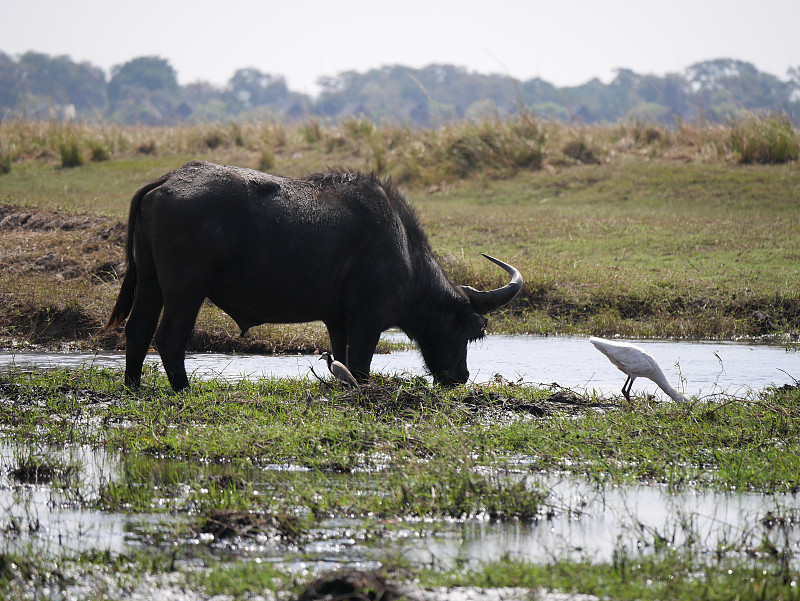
<point x="448" y="330"/>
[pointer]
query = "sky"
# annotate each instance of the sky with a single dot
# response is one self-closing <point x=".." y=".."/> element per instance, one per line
<point x="565" y="42"/>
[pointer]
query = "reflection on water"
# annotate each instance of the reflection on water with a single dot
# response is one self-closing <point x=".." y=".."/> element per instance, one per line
<point x="697" y="368"/>
<point x="52" y="513"/>
<point x="589" y="522"/>
<point x="595" y="522"/>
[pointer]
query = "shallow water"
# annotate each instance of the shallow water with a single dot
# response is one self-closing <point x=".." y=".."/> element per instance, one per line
<point x="55" y="519"/>
<point x="602" y="521"/>
<point x="697" y="368"/>
<point x="589" y="522"/>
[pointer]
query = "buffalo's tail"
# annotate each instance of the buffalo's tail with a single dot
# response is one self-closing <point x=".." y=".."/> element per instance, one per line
<point x="124" y="303"/>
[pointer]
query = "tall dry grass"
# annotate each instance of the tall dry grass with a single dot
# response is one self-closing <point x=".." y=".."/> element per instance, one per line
<point x="493" y="147"/>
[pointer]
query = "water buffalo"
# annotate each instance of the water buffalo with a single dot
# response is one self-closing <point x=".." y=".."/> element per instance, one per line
<point x="343" y="248"/>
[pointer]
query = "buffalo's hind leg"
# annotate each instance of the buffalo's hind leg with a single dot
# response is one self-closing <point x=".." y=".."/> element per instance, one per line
<point x="173" y="334"/>
<point x="141" y="325"/>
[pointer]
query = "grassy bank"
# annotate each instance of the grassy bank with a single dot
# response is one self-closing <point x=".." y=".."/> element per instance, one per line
<point x="626" y="229"/>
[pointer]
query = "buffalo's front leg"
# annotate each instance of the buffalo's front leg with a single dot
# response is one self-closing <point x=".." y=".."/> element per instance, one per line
<point x="338" y="337"/>
<point x="362" y="341"/>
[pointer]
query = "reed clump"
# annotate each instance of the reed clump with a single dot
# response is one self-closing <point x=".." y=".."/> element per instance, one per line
<point x="765" y="139"/>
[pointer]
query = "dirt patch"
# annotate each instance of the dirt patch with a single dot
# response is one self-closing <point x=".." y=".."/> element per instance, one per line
<point x="204" y="341"/>
<point x="351" y="585"/>
<point x="228" y="523"/>
<point x="13" y="217"/>
<point x="396" y="394"/>
<point x="54" y="327"/>
<point x="64" y="246"/>
<point x="49" y="325"/>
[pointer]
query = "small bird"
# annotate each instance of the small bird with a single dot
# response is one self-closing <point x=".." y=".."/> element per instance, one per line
<point x="635" y="362"/>
<point x="339" y="371"/>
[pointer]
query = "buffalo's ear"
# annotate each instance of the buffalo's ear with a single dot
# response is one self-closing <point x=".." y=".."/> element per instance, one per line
<point x="475" y="325"/>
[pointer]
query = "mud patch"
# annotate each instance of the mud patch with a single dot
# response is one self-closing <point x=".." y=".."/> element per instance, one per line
<point x="53" y="327"/>
<point x="204" y="341"/>
<point x="393" y="394"/>
<point x="351" y="585"/>
<point x="61" y="245"/>
<point x="222" y="523"/>
<point x="56" y="327"/>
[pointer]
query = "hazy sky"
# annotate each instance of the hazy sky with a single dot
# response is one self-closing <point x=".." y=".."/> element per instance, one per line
<point x="565" y="42"/>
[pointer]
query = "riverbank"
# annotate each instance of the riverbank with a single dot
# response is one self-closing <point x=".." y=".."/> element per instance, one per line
<point x="636" y="249"/>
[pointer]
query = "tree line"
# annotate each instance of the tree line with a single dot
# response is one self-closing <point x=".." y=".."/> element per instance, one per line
<point x="145" y="90"/>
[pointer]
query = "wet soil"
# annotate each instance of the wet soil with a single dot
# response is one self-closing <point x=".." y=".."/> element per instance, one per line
<point x="351" y="585"/>
<point x="222" y="523"/>
<point x="34" y="241"/>
<point x="409" y="395"/>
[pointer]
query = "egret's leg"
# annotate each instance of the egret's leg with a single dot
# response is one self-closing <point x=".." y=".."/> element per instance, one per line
<point x="626" y="388"/>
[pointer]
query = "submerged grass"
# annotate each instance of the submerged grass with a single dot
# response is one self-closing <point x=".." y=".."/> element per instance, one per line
<point x="669" y="575"/>
<point x="682" y="573"/>
<point x="722" y="442"/>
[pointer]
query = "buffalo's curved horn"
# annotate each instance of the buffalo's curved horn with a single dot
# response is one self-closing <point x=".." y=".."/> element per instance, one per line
<point x="491" y="300"/>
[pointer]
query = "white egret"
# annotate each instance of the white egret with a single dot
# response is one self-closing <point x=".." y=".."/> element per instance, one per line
<point x="635" y="362"/>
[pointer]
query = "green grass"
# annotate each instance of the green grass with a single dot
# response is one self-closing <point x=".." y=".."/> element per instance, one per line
<point x="727" y="444"/>
<point x="667" y="575"/>
<point x="652" y="249"/>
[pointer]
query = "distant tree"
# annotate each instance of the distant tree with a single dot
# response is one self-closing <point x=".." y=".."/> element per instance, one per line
<point x="149" y="73"/>
<point x="794" y="93"/>
<point x="334" y="91"/>
<point x="721" y="84"/>
<point x="626" y="80"/>
<point x="710" y="75"/>
<point x="37" y="81"/>
<point x="432" y="94"/>
<point x="9" y="86"/>
<point x="392" y="92"/>
<point x="594" y="101"/>
<point x="794" y="77"/>
<point x="544" y="99"/>
<point x="671" y="92"/>
<point x="255" y="88"/>
<point x="144" y="90"/>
